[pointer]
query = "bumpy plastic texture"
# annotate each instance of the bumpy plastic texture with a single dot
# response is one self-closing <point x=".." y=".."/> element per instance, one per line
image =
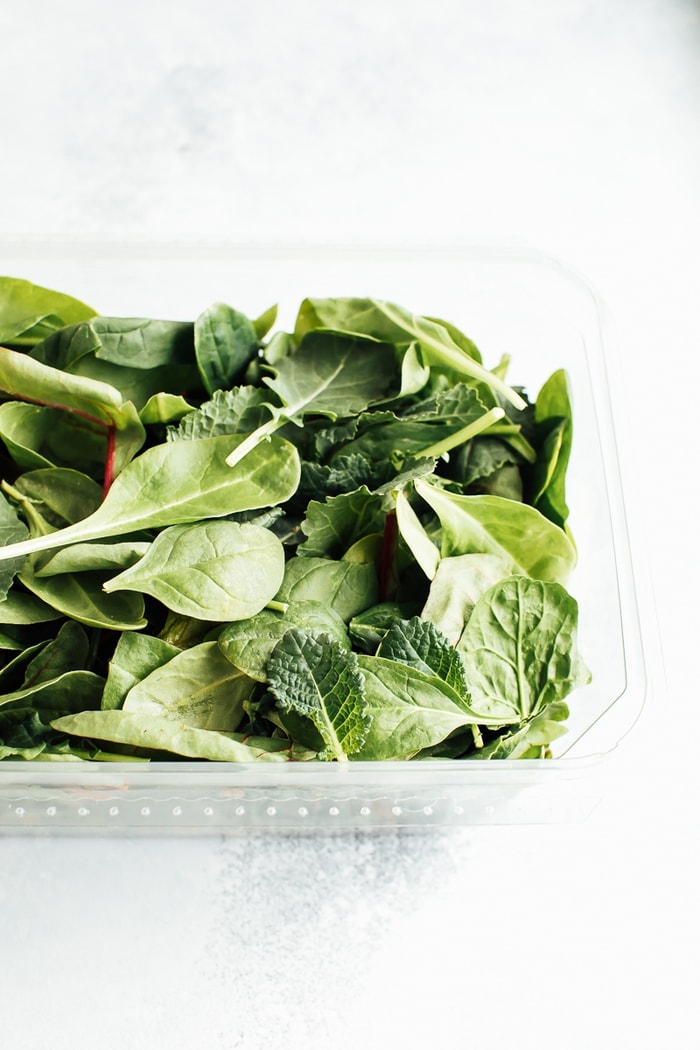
<point x="509" y="300"/>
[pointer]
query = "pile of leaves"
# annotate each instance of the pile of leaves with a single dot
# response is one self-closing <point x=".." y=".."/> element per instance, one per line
<point x="224" y="542"/>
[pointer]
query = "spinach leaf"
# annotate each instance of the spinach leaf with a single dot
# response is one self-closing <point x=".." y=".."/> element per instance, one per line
<point x="494" y="525"/>
<point x="197" y="687"/>
<point x="29" y="312"/>
<point x="456" y="587"/>
<point x="211" y="570"/>
<point x="81" y="596"/>
<point x="329" y="375"/>
<point x="553" y="419"/>
<point x="134" y="657"/>
<point x="410" y="709"/>
<point x="12" y="530"/>
<point x="345" y="586"/>
<point x="62" y="496"/>
<point x="224" y="342"/>
<point x="315" y="677"/>
<point x="180" y="483"/>
<point x="340" y="521"/>
<point x="154" y="733"/>
<point x="519" y="649"/>
<point x="393" y="323"/>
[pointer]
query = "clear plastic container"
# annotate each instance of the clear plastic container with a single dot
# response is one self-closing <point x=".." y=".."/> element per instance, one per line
<point x="508" y="299"/>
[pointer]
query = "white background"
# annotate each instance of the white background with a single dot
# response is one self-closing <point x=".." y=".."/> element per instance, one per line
<point x="575" y="126"/>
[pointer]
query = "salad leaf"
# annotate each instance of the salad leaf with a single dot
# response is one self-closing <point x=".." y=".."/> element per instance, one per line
<point x="30" y="312"/>
<point x="211" y="570"/>
<point x="224" y="342"/>
<point x="315" y="677"/>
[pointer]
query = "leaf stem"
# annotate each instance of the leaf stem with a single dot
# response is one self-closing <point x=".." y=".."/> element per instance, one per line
<point x="463" y="435"/>
<point x="109" y="460"/>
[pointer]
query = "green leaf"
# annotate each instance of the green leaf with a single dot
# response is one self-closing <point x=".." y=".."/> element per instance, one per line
<point x="89" y="557"/>
<point x="62" y="496"/>
<point x="154" y="733"/>
<point x="82" y="597"/>
<point x="329" y="375"/>
<point x="264" y="323"/>
<point x="457" y="586"/>
<point x="410" y="710"/>
<point x="340" y="521"/>
<point x="179" y="483"/>
<point x="29" y="312"/>
<point x="315" y="677"/>
<point x="420" y="644"/>
<point x="135" y="656"/>
<point x="69" y="691"/>
<point x="12" y="530"/>
<point x="224" y="342"/>
<point x="248" y="644"/>
<point x="165" y="408"/>
<point x="495" y="525"/>
<point x="234" y="411"/>
<point x="19" y="608"/>
<point x="211" y="570"/>
<point x="554" y="425"/>
<point x="519" y="649"/>
<point x="68" y="651"/>
<point x="197" y="687"/>
<point x="391" y="322"/>
<point x="345" y="586"/>
<point x="535" y="735"/>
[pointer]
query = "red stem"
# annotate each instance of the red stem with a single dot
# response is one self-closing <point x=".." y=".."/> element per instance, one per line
<point x="109" y="460"/>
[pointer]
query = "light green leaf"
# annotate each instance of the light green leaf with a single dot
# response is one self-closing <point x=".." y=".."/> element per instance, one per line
<point x="495" y="525"/>
<point x="89" y="557"/>
<point x="211" y="570"/>
<point x="29" y="312"/>
<point x="165" y="408"/>
<point x="457" y="586"/>
<point x="345" y="586"/>
<point x="81" y="596"/>
<point x="136" y="655"/>
<point x="152" y="732"/>
<point x="179" y="483"/>
<point x="519" y="649"/>
<point x="198" y="687"/>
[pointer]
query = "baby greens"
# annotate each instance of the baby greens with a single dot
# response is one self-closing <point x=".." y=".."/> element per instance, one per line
<point x="344" y="542"/>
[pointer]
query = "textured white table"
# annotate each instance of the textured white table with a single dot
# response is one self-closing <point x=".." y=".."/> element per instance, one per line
<point x="573" y="125"/>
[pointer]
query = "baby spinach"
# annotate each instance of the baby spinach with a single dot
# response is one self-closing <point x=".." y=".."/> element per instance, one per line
<point x="225" y="542"/>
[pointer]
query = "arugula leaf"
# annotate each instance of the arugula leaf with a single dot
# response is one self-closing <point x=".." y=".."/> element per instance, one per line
<point x="315" y="677"/>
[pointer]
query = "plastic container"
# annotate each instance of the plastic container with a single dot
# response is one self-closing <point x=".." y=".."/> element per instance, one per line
<point x="508" y="299"/>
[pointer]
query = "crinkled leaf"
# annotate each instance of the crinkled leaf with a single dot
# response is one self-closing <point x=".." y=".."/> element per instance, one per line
<point x="249" y="643"/>
<point x="315" y="677"/>
<point x="234" y="411"/>
<point x="333" y="526"/>
<point x="420" y="644"/>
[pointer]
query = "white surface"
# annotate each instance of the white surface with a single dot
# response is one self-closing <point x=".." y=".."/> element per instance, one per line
<point x="575" y="126"/>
